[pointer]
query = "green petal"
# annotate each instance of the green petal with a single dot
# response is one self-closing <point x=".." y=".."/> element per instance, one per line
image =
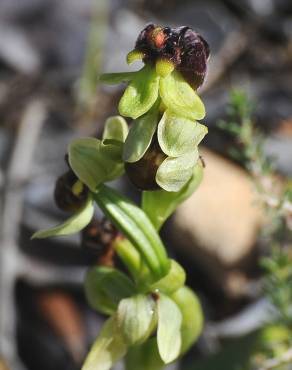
<point x="136" y="318"/>
<point x="174" y="280"/>
<point x="117" y="78"/>
<point x="105" y="287"/>
<point x="141" y="93"/>
<point x="94" y="161"/>
<point x="174" y="173"/>
<point x="140" y="135"/>
<point x="192" y="316"/>
<point x="168" y="330"/>
<point x="159" y="205"/>
<point x="115" y="128"/>
<point x="179" y="97"/>
<point x="134" y="55"/>
<point x="179" y="135"/>
<point x="73" y="225"/>
<point x="108" y="348"/>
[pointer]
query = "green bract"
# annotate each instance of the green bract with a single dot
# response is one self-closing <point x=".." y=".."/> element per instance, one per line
<point x="94" y="161"/>
<point x="136" y="318"/>
<point x="135" y="224"/>
<point x="178" y="135"/>
<point x="105" y="287"/>
<point x="141" y="93"/>
<point x="174" y="280"/>
<point x="73" y="225"/>
<point x="140" y="135"/>
<point x="174" y="173"/>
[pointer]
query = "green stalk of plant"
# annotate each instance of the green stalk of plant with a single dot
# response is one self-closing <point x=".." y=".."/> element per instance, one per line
<point x="153" y="317"/>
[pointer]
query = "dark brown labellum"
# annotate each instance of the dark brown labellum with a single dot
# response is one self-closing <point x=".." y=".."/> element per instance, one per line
<point x="185" y="48"/>
<point x="65" y="199"/>
<point x="142" y="173"/>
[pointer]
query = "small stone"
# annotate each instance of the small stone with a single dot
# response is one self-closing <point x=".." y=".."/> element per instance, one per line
<point x="219" y="224"/>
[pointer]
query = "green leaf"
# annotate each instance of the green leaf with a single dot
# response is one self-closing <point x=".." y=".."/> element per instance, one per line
<point x="168" y="331"/>
<point x="179" y="135"/>
<point x="115" y="128"/>
<point x="105" y="287"/>
<point x="146" y="355"/>
<point x="159" y="205"/>
<point x="174" y="173"/>
<point x="180" y="98"/>
<point x="117" y="78"/>
<point x="136" y="226"/>
<point x="140" y="135"/>
<point x="136" y="318"/>
<point x="174" y="280"/>
<point x="192" y="316"/>
<point x="108" y="348"/>
<point x="73" y="225"/>
<point x="95" y="161"/>
<point x="141" y="93"/>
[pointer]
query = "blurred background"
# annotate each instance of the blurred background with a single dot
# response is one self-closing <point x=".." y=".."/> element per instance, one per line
<point x="51" y="53"/>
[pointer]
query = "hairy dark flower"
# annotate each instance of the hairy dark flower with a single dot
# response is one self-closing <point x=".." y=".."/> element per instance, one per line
<point x="187" y="50"/>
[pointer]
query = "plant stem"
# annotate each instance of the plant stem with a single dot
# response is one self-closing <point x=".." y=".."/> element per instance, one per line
<point x="129" y="255"/>
<point x="132" y="260"/>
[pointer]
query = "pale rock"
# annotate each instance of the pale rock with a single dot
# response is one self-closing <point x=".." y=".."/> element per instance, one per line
<point x="219" y="224"/>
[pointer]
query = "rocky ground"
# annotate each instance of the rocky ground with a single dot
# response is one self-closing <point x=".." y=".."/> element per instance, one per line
<point x="42" y="53"/>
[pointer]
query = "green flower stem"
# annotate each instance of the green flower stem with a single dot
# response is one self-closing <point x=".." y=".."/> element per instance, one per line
<point x="129" y="255"/>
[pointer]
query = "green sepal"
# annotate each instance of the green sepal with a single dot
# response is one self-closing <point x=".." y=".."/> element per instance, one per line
<point x="73" y="225"/>
<point x="136" y="226"/>
<point x="159" y="205"/>
<point x="168" y="329"/>
<point x="140" y="135"/>
<point x="136" y="318"/>
<point x="94" y="161"/>
<point x="174" y="173"/>
<point x="105" y="287"/>
<point x="179" y="97"/>
<point x="192" y="316"/>
<point x="115" y="128"/>
<point x="108" y="348"/>
<point x="141" y="93"/>
<point x="179" y="135"/>
<point x="174" y="280"/>
<point x="146" y="355"/>
<point x="117" y="78"/>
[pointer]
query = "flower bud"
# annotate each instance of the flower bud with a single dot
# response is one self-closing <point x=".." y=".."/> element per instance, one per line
<point x="142" y="173"/>
<point x="70" y="194"/>
<point x="97" y="238"/>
